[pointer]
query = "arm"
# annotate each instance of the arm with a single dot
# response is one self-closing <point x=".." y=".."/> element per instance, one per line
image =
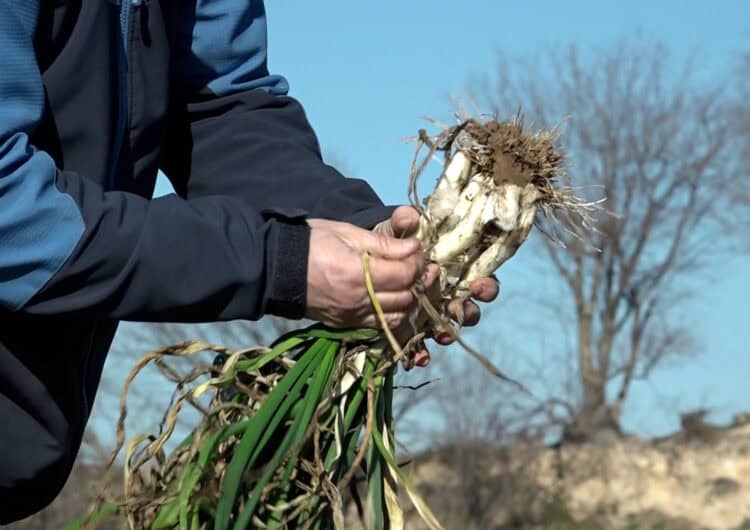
<point x="69" y="247"/>
<point x="234" y="130"/>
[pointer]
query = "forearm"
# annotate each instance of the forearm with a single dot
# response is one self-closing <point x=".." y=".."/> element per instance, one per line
<point x="169" y="259"/>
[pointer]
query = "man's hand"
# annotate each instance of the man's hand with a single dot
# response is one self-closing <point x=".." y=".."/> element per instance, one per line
<point x="336" y="292"/>
<point x="404" y="222"/>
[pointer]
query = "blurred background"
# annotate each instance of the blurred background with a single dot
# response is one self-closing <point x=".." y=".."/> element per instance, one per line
<point x="636" y="354"/>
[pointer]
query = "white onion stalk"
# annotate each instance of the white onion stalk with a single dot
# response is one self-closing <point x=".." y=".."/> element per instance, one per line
<point x="449" y="187"/>
<point x="465" y="200"/>
<point x="515" y="211"/>
<point x="465" y="234"/>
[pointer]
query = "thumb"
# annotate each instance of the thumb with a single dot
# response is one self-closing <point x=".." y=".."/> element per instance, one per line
<point x="405" y="220"/>
<point x="381" y="245"/>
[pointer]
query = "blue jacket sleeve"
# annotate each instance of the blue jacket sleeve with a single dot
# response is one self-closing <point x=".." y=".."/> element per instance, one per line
<point x="68" y="247"/>
<point x="236" y="132"/>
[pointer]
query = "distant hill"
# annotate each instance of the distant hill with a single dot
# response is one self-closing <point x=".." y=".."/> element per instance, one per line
<point x="696" y="479"/>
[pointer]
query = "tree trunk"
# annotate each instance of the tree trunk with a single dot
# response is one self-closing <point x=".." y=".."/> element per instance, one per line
<point x="595" y="418"/>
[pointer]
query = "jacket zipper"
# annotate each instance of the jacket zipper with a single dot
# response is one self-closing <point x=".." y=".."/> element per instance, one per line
<point x="122" y="87"/>
<point x="122" y="126"/>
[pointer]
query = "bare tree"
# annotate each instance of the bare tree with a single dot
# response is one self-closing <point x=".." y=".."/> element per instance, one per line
<point x="655" y="142"/>
<point x="743" y="103"/>
<point x="740" y="112"/>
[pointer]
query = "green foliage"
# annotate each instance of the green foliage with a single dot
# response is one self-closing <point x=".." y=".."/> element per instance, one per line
<point x="276" y="447"/>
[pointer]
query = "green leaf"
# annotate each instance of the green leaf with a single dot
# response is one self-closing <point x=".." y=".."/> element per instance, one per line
<point x="196" y="522"/>
<point x="262" y="427"/>
<point x="301" y="423"/>
<point x="315" y="392"/>
<point x="166" y="517"/>
<point x="375" y="498"/>
<point x="352" y="334"/>
<point x="105" y="511"/>
<point x="355" y="412"/>
<point x="192" y="473"/>
<point x="294" y="334"/>
<point x="281" y="347"/>
<point x="295" y="434"/>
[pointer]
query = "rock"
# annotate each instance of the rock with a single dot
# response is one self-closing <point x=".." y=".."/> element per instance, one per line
<point x="722" y="486"/>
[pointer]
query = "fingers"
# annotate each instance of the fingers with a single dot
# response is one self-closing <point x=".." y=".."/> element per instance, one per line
<point x="379" y="244"/>
<point x="397" y="302"/>
<point x="472" y="313"/>
<point x="485" y="289"/>
<point x="404" y="221"/>
<point x="390" y="275"/>
<point x="466" y="312"/>
<point x="404" y="301"/>
<point x="394" y="320"/>
<point x="422" y="358"/>
<point x="336" y="293"/>
<point x="443" y="338"/>
<point x="431" y="283"/>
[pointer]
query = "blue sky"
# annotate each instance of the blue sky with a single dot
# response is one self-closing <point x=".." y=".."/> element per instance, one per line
<point x="366" y="72"/>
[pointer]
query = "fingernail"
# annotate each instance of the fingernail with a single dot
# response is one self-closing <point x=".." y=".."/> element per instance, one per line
<point x="423" y="361"/>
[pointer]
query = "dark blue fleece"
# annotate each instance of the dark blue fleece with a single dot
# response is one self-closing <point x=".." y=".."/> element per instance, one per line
<point x="95" y="97"/>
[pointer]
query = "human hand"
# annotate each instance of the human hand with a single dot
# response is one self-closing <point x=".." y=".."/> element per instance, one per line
<point x="336" y="292"/>
<point x="404" y="222"/>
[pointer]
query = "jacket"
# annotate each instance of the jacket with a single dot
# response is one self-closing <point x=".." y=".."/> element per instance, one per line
<point x="95" y="97"/>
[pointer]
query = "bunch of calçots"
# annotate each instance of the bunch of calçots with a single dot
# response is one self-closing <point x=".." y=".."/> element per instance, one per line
<point x="295" y="430"/>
